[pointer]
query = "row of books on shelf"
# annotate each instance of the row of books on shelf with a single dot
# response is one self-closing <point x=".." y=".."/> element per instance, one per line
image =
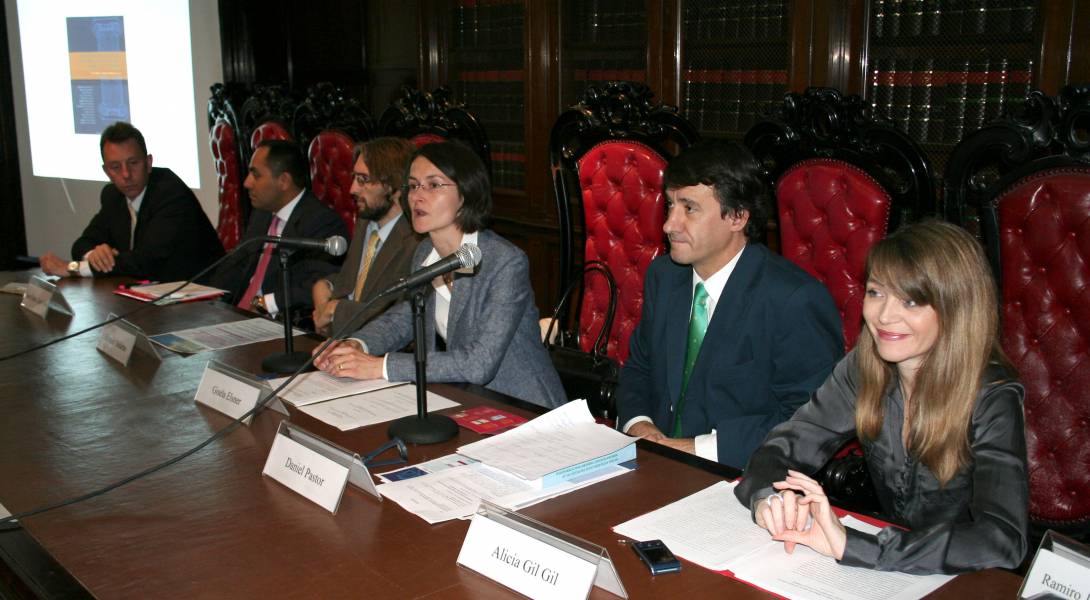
<point x="726" y="21"/>
<point x="607" y="21"/>
<point x="937" y="101"/>
<point x="508" y="164"/>
<point x="721" y="101"/>
<point x="910" y="18"/>
<point x="498" y="105"/>
<point x="488" y="22"/>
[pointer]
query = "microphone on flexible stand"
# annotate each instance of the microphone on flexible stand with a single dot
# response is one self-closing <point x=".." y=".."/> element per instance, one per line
<point x="423" y="428"/>
<point x="333" y="245"/>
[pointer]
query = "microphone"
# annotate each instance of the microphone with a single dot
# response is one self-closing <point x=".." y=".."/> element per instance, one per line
<point x="466" y="257"/>
<point x="333" y="245"/>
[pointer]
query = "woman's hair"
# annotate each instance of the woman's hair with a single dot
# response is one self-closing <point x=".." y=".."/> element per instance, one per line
<point x="938" y="265"/>
<point x="462" y="166"/>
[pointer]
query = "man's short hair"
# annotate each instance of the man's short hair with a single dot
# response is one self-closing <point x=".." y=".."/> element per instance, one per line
<point x="285" y="157"/>
<point x="732" y="172"/>
<point x="119" y="133"/>
<point x="387" y="158"/>
<point x="467" y="170"/>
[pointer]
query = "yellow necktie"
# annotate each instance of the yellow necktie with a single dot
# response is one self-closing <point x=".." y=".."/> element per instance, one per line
<point x="368" y="258"/>
<point x="132" y="224"/>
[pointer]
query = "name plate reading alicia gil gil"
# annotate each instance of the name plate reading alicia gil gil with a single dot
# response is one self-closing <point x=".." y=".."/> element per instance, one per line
<point x="535" y="559"/>
<point x="233" y="392"/>
<point x="120" y="338"/>
<point x="316" y="468"/>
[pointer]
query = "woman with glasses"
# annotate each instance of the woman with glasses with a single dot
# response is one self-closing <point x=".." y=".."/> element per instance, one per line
<point x="937" y="409"/>
<point x="481" y="327"/>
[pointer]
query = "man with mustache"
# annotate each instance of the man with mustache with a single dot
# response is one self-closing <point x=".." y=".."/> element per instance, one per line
<point x="382" y="249"/>
<point x="732" y="338"/>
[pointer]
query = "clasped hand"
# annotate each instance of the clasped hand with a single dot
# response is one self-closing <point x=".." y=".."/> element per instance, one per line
<point x="346" y="358"/>
<point x="801" y="514"/>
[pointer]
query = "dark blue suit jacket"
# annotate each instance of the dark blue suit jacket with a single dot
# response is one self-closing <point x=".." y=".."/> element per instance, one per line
<point x="774" y="337"/>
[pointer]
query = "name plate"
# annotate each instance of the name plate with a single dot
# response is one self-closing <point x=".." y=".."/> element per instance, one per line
<point x="1061" y="569"/>
<point x="120" y="338"/>
<point x="316" y="468"/>
<point x="535" y="559"/>
<point x="42" y="295"/>
<point x="234" y="393"/>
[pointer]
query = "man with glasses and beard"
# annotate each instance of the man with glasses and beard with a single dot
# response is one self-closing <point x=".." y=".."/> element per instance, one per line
<point x="382" y="248"/>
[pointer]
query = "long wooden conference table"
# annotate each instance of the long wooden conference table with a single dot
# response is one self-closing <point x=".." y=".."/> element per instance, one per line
<point x="211" y="525"/>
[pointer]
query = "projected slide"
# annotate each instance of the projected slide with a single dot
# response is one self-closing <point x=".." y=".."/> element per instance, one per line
<point x="88" y="63"/>
<point x="96" y="53"/>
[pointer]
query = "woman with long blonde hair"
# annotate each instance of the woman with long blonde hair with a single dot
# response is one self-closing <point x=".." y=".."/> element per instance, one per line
<point x="937" y="409"/>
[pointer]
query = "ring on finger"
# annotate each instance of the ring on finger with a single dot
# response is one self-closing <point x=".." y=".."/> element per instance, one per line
<point x="768" y="500"/>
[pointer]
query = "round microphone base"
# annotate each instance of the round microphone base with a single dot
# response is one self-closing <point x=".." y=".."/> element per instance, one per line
<point x="432" y="429"/>
<point x="285" y="363"/>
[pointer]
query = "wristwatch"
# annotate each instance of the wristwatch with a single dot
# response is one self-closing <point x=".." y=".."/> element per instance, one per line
<point x="257" y="305"/>
<point x="73" y="269"/>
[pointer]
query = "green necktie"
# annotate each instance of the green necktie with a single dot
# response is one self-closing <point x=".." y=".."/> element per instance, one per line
<point x="698" y="326"/>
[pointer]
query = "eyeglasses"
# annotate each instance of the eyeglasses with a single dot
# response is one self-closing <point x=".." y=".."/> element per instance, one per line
<point x="364" y="178"/>
<point x="402" y="454"/>
<point x="428" y="187"/>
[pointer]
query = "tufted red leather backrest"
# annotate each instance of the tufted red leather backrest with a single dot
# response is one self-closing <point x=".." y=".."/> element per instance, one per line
<point x="621" y="184"/>
<point x="269" y="130"/>
<point x="831" y="214"/>
<point x="331" y="163"/>
<point x="1044" y="249"/>
<point x="427" y="138"/>
<point x="229" y="183"/>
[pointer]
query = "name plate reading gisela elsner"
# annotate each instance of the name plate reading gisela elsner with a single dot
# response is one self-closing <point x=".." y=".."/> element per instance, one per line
<point x="1061" y="569"/>
<point x="120" y="338"/>
<point x="42" y="295"/>
<point x="315" y="468"/>
<point x="233" y="392"/>
<point x="535" y="559"/>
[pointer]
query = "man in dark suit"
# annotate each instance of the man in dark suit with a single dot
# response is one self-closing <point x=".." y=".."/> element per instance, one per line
<point x="150" y="224"/>
<point x="382" y="249"/>
<point x="733" y="338"/>
<point x="277" y="187"/>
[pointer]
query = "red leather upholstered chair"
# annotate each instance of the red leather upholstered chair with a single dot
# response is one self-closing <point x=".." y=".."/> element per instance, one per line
<point x="841" y="181"/>
<point x="333" y="124"/>
<point x="234" y="206"/>
<point x="266" y="115"/>
<point x="608" y="154"/>
<point x="1027" y="179"/>
<point x="429" y="117"/>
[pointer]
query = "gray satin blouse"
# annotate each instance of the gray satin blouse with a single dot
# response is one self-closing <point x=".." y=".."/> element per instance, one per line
<point x="976" y="521"/>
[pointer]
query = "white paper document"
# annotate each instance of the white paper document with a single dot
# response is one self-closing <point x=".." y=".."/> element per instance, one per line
<point x="380" y="406"/>
<point x="560" y="438"/>
<point x="712" y="529"/>
<point x="158" y="291"/>
<point x="220" y="336"/>
<point x="319" y="386"/>
<point x="454" y="493"/>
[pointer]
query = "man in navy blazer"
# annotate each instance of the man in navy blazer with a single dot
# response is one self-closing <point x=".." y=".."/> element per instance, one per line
<point x="773" y="333"/>
<point x="276" y="184"/>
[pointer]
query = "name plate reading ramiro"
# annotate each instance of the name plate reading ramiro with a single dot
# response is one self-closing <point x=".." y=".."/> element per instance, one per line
<point x="1061" y="569"/>
<point x="42" y="295"/>
<point x="535" y="559"/>
<point x="234" y="393"/>
<point x="315" y="468"/>
<point x="120" y="338"/>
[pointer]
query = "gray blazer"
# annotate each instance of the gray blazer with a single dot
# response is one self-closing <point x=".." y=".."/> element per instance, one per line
<point x="393" y="261"/>
<point x="493" y="336"/>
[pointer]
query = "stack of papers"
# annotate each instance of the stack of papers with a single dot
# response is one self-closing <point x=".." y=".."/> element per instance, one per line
<point x="222" y="335"/>
<point x="556" y="453"/>
<point x="711" y="529"/>
<point x="191" y="292"/>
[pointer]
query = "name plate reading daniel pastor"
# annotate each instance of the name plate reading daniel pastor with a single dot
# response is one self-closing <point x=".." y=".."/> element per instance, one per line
<point x="316" y="468"/>
<point x="535" y="559"/>
<point x="233" y="392"/>
<point x="1061" y="569"/>
<point x="42" y="295"/>
<point x="120" y="338"/>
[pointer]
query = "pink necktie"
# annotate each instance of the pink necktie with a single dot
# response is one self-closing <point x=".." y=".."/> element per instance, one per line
<point x="262" y="266"/>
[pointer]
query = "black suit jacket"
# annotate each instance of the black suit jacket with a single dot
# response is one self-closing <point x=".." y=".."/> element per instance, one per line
<point x="774" y="337"/>
<point x="174" y="238"/>
<point x="310" y="219"/>
<point x="393" y="261"/>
